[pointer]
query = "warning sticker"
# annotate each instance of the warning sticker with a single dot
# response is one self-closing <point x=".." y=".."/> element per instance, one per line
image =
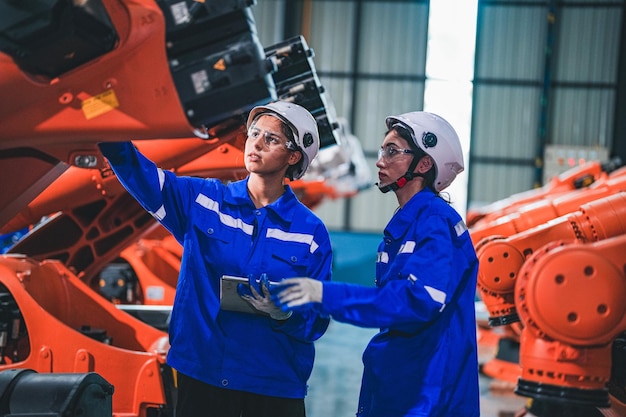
<point x="100" y="104"/>
<point x="220" y="65"/>
<point x="180" y="13"/>
<point x="200" y="80"/>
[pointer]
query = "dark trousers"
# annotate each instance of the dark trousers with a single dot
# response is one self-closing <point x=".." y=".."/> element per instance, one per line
<point x="197" y="399"/>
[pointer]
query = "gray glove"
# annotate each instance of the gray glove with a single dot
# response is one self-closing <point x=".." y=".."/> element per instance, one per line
<point x="293" y="292"/>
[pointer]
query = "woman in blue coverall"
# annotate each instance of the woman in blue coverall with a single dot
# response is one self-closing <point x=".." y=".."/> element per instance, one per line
<point x="423" y="362"/>
<point x="233" y="363"/>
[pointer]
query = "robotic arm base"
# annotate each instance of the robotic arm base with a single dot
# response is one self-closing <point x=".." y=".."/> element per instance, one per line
<point x="504" y="320"/>
<point x="555" y="397"/>
<point x="551" y="408"/>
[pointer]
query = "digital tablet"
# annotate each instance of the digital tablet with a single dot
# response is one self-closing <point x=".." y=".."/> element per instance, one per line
<point x="229" y="297"/>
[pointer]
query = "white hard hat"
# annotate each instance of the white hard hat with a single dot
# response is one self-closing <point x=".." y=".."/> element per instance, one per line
<point x="301" y="122"/>
<point x="435" y="136"/>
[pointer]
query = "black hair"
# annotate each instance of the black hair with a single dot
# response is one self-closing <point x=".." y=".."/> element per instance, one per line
<point x="291" y="171"/>
<point x="289" y="134"/>
<point x="429" y="176"/>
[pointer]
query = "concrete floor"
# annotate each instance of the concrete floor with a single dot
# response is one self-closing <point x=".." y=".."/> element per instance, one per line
<point x="336" y="378"/>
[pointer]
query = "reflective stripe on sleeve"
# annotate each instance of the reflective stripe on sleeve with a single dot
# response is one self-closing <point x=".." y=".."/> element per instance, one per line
<point x="460" y="228"/>
<point x="161" y="176"/>
<point x="407" y="247"/>
<point x="159" y="214"/>
<point x="383" y="257"/>
<point x="437" y="295"/>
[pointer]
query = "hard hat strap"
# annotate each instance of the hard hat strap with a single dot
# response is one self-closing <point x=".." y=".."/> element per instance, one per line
<point x="408" y="176"/>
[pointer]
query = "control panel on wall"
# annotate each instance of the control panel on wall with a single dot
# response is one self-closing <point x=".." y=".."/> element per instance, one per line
<point x="561" y="158"/>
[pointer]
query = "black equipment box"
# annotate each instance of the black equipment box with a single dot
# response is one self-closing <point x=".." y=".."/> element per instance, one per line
<point x="207" y="28"/>
<point x="188" y="15"/>
<point x="219" y="66"/>
<point x="297" y="81"/>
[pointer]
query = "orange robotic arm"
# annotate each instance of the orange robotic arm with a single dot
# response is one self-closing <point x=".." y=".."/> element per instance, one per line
<point x="500" y="259"/>
<point x="573" y="179"/>
<point x="570" y="297"/>
<point x="543" y="210"/>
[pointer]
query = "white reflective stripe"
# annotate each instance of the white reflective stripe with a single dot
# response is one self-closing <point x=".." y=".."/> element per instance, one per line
<point x="383" y="257"/>
<point x="226" y="219"/>
<point x="161" y="176"/>
<point x="292" y="237"/>
<point x="407" y="247"/>
<point x="437" y="295"/>
<point x="460" y="228"/>
<point x="159" y="214"/>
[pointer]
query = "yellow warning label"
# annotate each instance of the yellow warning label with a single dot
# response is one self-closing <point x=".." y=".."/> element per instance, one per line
<point x="100" y="104"/>
<point x="220" y="65"/>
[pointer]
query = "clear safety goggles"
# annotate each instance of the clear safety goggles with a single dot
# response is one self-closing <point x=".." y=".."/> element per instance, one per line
<point x="270" y="139"/>
<point x="391" y="152"/>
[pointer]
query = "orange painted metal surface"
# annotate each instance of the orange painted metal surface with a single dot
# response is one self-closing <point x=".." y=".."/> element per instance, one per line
<point x="563" y="283"/>
<point x="70" y="109"/>
<point x="60" y="325"/>
<point x="568" y="343"/>
<point x="501" y="258"/>
<point x="576" y="178"/>
<point x="548" y="207"/>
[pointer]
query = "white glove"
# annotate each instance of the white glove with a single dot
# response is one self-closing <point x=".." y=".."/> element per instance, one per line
<point x="263" y="301"/>
<point x="299" y="291"/>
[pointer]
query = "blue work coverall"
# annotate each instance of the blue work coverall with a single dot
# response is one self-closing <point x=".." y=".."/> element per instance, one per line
<point x="423" y="362"/>
<point x="222" y="233"/>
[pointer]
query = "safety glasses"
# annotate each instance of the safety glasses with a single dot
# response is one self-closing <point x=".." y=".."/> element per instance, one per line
<point x="390" y="152"/>
<point x="270" y="139"/>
